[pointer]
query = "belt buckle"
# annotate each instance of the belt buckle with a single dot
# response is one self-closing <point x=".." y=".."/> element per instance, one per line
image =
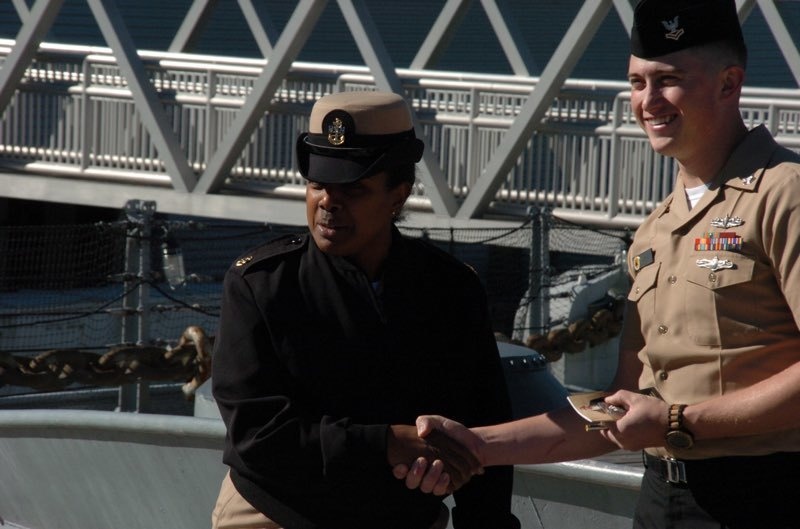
<point x="676" y="470"/>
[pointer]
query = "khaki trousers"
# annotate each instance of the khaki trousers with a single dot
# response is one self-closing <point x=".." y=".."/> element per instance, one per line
<point x="234" y="512"/>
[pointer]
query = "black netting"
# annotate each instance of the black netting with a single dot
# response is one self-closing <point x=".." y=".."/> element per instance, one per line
<point x="79" y="286"/>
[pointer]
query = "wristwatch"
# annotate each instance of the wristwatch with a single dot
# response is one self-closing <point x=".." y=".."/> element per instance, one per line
<point x="677" y="435"/>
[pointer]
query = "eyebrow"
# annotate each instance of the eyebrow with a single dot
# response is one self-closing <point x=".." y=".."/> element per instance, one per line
<point x="658" y="71"/>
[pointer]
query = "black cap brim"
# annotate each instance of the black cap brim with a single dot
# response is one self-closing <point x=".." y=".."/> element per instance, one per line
<point x="343" y="166"/>
<point x="337" y="170"/>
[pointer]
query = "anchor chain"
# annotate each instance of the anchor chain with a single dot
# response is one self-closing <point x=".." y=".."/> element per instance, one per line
<point x="599" y="327"/>
<point x="189" y="361"/>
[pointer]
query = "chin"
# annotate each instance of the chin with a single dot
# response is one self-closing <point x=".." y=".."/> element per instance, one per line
<point x="327" y="246"/>
<point x="321" y="241"/>
<point x="661" y="145"/>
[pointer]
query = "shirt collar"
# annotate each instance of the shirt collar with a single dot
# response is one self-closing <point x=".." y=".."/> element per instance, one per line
<point x="745" y="166"/>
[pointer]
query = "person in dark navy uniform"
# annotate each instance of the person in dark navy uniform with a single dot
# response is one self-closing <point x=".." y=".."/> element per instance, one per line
<point x="322" y="333"/>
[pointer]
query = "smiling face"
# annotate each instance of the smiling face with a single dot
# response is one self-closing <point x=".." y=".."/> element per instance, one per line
<point x="676" y="100"/>
<point x="354" y="220"/>
<point x="688" y="104"/>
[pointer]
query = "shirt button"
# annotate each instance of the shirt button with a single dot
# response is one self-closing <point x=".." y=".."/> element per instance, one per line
<point x="712" y="277"/>
<point x="663" y="375"/>
<point x="662" y="329"/>
<point x="672" y="280"/>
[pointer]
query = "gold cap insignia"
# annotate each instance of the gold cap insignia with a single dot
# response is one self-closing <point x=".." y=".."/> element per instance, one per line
<point x="336" y="132"/>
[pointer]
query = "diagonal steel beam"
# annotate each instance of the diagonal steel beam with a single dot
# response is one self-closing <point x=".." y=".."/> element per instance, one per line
<point x="291" y="41"/>
<point x="782" y="36"/>
<point x="510" y="37"/>
<point x="34" y="27"/>
<point x="744" y="8"/>
<point x="440" y="34"/>
<point x="625" y="12"/>
<point x="144" y="94"/>
<point x="22" y="9"/>
<point x="193" y="23"/>
<point x="377" y="58"/>
<point x="369" y="43"/>
<point x="260" y="24"/>
<point x="560" y="65"/>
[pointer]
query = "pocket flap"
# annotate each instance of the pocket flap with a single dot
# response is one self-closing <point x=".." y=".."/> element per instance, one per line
<point x="645" y="280"/>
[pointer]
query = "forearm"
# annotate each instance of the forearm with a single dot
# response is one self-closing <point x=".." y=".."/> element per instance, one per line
<point x="769" y="406"/>
<point x="556" y="436"/>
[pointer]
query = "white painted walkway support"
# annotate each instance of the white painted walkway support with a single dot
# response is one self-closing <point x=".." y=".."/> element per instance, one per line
<point x="496" y="144"/>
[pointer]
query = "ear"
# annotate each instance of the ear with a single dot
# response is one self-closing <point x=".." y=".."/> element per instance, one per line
<point x="400" y="194"/>
<point x="732" y="81"/>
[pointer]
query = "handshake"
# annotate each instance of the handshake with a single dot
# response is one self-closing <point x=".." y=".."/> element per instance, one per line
<point x="438" y="455"/>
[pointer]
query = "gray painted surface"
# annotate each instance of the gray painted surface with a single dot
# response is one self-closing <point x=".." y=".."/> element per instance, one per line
<point x="80" y="469"/>
<point x="108" y="470"/>
<point x="89" y="469"/>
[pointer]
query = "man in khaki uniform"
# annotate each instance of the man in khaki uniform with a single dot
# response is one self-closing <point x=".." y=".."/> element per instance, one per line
<point x="714" y="309"/>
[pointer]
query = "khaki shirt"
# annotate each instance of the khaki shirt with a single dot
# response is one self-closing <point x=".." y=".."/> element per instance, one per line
<point x="717" y="288"/>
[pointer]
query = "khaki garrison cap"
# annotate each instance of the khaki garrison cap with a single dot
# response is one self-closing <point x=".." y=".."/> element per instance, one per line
<point x="354" y="135"/>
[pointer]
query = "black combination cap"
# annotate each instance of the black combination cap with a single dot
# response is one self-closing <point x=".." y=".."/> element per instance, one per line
<point x="354" y="135"/>
<point x="661" y="27"/>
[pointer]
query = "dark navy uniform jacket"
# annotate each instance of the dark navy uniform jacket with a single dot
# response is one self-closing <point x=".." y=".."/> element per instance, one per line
<point x="311" y="365"/>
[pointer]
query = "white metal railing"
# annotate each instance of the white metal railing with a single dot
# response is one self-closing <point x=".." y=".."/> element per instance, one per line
<point x="73" y="114"/>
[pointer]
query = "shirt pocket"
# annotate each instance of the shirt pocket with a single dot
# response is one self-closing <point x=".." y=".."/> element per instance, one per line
<point x="720" y="303"/>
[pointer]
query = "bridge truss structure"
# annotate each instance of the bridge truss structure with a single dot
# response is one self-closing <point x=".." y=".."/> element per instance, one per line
<point x="213" y="136"/>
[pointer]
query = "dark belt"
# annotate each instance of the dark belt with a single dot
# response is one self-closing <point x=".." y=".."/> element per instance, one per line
<point x="678" y="472"/>
<point x="669" y="469"/>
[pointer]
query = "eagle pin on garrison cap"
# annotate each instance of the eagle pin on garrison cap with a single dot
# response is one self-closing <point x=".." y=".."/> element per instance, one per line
<point x="354" y="135"/>
<point x="661" y="27"/>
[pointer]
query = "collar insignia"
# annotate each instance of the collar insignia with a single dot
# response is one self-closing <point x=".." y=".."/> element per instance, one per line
<point x="747" y="180"/>
<point x="727" y="222"/>
<point x="336" y="131"/>
<point x="673" y="31"/>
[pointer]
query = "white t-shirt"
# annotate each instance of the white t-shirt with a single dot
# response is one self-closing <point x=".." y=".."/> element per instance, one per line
<point x="694" y="194"/>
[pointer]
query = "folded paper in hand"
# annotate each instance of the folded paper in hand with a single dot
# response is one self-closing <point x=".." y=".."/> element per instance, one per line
<point x="593" y="407"/>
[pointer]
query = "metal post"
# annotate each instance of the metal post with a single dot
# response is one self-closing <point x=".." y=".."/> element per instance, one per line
<point x="539" y="277"/>
<point x="615" y="159"/>
<point x="86" y="117"/>
<point x="136" y="396"/>
<point x="474" y="152"/>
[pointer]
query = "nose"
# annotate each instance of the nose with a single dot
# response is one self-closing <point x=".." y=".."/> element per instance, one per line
<point x="329" y="199"/>
<point x="650" y="95"/>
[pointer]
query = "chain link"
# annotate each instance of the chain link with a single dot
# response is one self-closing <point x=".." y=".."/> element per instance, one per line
<point x="188" y="361"/>
<point x="599" y="327"/>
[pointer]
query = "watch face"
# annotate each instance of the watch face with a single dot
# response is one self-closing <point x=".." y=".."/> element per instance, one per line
<point x="679" y="439"/>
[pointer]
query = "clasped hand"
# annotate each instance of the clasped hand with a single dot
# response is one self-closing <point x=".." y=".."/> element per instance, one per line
<point x="440" y="455"/>
<point x="434" y="456"/>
